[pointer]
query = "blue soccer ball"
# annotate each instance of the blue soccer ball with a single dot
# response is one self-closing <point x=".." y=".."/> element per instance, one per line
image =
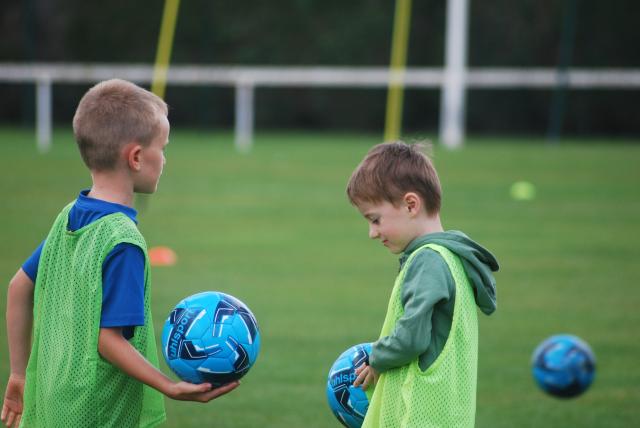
<point x="348" y="403"/>
<point x="563" y="366"/>
<point x="210" y="337"/>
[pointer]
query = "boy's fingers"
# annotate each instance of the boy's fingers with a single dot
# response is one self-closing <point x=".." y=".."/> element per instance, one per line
<point x="204" y="387"/>
<point x="9" y="421"/>
<point x="195" y="388"/>
<point x="228" y="387"/>
<point x="11" y="418"/>
<point x="224" y="389"/>
<point x="17" y="420"/>
<point x="361" y="376"/>
<point x="367" y="382"/>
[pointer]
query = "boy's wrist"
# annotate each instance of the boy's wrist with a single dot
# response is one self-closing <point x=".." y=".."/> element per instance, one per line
<point x="17" y="376"/>
<point x="169" y="389"/>
<point x="165" y="385"/>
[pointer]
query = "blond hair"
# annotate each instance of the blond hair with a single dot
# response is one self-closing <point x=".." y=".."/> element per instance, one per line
<point x="111" y="114"/>
<point x="391" y="170"/>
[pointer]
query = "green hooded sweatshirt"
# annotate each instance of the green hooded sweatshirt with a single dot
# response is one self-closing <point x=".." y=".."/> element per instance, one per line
<point x="428" y="296"/>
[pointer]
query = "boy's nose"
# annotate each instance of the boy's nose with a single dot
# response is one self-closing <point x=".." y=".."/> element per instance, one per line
<point x="373" y="232"/>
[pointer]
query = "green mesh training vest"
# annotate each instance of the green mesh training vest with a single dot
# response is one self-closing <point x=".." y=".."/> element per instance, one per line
<point x="445" y="394"/>
<point x="68" y="383"/>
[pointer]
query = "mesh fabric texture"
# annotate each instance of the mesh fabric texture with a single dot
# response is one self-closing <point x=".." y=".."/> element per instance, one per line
<point x="444" y="395"/>
<point x="68" y="383"/>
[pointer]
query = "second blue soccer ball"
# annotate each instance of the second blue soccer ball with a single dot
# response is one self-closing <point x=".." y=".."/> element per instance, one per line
<point x="210" y="337"/>
<point x="348" y="403"/>
<point x="563" y="366"/>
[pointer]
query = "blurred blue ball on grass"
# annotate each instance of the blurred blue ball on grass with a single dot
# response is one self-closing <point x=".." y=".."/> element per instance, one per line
<point x="563" y="366"/>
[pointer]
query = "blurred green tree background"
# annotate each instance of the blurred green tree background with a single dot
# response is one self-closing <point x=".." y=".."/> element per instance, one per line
<point x="502" y="33"/>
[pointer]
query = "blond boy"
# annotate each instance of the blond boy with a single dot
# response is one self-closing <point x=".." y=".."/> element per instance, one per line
<point x="81" y="341"/>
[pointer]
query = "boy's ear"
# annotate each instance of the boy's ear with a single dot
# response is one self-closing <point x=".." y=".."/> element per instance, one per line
<point x="413" y="202"/>
<point x="132" y="153"/>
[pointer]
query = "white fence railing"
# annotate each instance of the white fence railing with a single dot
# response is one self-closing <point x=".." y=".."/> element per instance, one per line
<point x="246" y="79"/>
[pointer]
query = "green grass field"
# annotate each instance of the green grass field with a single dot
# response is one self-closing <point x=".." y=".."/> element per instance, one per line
<point x="275" y="229"/>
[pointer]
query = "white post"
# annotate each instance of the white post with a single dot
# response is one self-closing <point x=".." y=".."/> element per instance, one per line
<point x="244" y="116"/>
<point x="43" y="114"/>
<point x="452" y="101"/>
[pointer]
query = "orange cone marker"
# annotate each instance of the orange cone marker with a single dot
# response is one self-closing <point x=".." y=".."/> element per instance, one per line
<point x="162" y="256"/>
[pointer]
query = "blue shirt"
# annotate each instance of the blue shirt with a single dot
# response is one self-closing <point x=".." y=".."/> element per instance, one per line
<point x="122" y="269"/>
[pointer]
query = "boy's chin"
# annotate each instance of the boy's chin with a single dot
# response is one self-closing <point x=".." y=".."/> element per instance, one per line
<point x="395" y="250"/>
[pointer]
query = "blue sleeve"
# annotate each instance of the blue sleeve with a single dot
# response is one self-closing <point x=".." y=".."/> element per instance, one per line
<point x="30" y="266"/>
<point x="123" y="288"/>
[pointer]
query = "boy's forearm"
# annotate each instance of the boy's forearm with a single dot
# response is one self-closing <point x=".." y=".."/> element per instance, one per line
<point x="118" y="351"/>
<point x="410" y="338"/>
<point x="427" y="282"/>
<point x="19" y="321"/>
<point x="392" y="351"/>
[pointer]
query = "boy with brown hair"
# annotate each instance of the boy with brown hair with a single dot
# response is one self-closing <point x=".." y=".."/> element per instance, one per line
<point x="424" y="365"/>
<point x="84" y="292"/>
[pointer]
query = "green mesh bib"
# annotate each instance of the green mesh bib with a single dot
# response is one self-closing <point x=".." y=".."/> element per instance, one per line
<point x="445" y="394"/>
<point x="68" y="383"/>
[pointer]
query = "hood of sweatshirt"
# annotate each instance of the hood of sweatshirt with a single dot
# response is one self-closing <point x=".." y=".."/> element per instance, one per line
<point x="478" y="262"/>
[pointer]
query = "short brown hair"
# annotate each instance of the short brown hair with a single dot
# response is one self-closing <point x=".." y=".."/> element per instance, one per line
<point x="112" y="114"/>
<point x="390" y="170"/>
